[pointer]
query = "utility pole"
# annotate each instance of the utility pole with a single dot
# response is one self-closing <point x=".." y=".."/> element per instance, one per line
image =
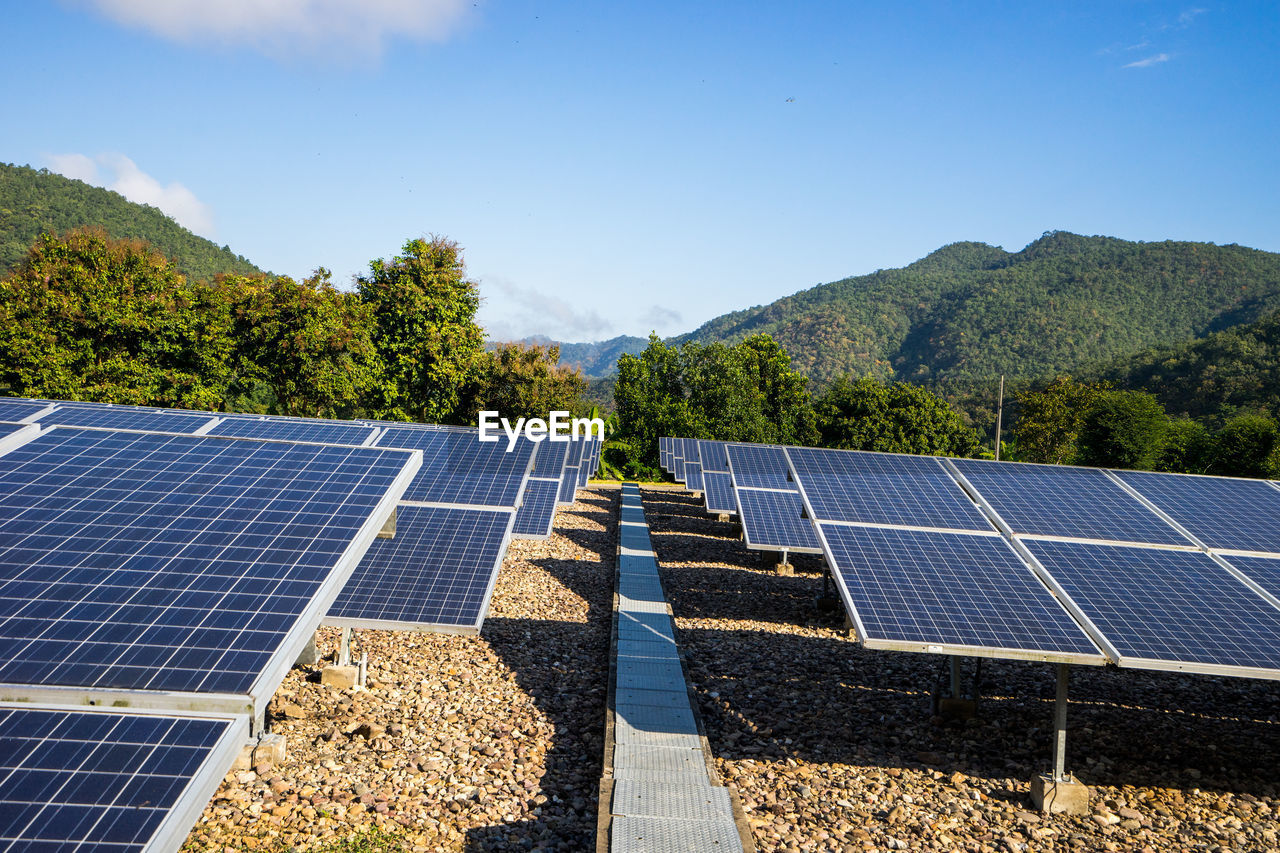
<point x="999" y="416"/>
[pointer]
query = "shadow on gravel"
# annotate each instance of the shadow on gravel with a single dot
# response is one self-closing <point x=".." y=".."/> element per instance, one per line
<point x="826" y="700"/>
<point x="564" y="667"/>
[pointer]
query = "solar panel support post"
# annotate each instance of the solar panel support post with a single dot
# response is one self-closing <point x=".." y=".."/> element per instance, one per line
<point x="1060" y="726"/>
<point x="344" y="648"/>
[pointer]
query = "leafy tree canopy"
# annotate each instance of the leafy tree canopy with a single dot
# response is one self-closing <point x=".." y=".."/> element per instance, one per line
<point x="894" y="418"/>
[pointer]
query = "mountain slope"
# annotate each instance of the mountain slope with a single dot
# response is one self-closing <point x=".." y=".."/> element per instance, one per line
<point x="970" y="311"/>
<point x="36" y="201"/>
<point x="598" y="359"/>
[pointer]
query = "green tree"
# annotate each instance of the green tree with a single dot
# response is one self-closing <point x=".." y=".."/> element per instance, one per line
<point x="1123" y="429"/>
<point x="1185" y="449"/>
<point x="308" y="341"/>
<point x="1247" y="446"/>
<point x="521" y="381"/>
<point x="897" y="418"/>
<point x="1049" y="421"/>
<point x="424" y="331"/>
<point x="86" y="317"/>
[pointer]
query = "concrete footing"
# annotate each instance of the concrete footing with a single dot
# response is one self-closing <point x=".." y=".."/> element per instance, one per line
<point x="1064" y="796"/>
<point x="341" y="677"/>
<point x="310" y="655"/>
<point x="724" y="517"/>
<point x="785" y="569"/>
<point x="268" y="750"/>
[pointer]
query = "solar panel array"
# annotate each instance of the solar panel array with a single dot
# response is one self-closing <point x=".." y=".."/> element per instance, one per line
<point x="15" y="409"/>
<point x="537" y="511"/>
<point x="106" y="417"/>
<point x="717" y="481"/>
<point x="1054" y="563"/>
<point x="294" y="429"/>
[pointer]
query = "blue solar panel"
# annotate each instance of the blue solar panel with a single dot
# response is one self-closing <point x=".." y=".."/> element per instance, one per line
<point x="1162" y="605"/>
<point x="144" y="561"/>
<point x="915" y="589"/>
<point x="459" y="469"/>
<point x="437" y="571"/>
<point x="537" y="512"/>
<point x="293" y="429"/>
<point x="1222" y="512"/>
<point x="718" y="488"/>
<point x="8" y="429"/>
<point x="549" y="463"/>
<point x="19" y="408"/>
<point x="712" y="456"/>
<point x="584" y="463"/>
<point x="569" y="485"/>
<point x="103" y="417"/>
<point x="1056" y="500"/>
<point x="883" y="488"/>
<point x="759" y="466"/>
<point x="105" y="780"/>
<point x="677" y="459"/>
<point x="1264" y="571"/>
<point x="773" y="520"/>
<point x="692" y="476"/>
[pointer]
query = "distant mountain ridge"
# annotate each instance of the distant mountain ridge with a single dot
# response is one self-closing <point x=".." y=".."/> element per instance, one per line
<point x="596" y="360"/>
<point x="36" y="201"/>
<point x="970" y="311"/>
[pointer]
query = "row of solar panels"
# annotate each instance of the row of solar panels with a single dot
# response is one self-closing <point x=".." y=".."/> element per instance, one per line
<point x="148" y="562"/>
<point x="1058" y="563"/>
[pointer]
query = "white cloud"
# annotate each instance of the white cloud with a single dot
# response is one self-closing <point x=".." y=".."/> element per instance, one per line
<point x="1185" y="19"/>
<point x="117" y="172"/>
<point x="1149" y="61"/>
<point x="661" y="318"/>
<point x="524" y="312"/>
<point x="291" y="25"/>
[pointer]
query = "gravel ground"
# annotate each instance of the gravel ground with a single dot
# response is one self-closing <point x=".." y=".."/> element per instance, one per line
<point x="833" y="747"/>
<point x="495" y="742"/>
<point x="460" y="743"/>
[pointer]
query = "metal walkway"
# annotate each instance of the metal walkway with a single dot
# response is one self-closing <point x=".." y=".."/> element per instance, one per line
<point x="659" y="785"/>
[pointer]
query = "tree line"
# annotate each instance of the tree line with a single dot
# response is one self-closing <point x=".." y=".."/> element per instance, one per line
<point x="89" y="317"/>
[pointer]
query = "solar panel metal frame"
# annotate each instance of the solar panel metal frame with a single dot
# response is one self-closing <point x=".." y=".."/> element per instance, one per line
<point x="470" y="629"/>
<point x="1136" y="662"/>
<point x="269" y="678"/>
<point x="1047" y="656"/>
<point x="179" y="819"/>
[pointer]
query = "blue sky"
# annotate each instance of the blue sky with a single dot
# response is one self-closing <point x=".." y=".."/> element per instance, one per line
<point x="618" y="167"/>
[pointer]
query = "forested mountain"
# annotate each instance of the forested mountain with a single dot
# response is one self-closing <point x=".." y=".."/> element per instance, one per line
<point x="970" y="312"/>
<point x="598" y="359"/>
<point x="1233" y="370"/>
<point x="34" y="201"/>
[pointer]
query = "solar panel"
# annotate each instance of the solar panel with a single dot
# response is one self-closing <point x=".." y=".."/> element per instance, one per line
<point x="933" y="591"/>
<point x="20" y="408"/>
<point x="1058" y="500"/>
<point x="584" y="462"/>
<point x="1167" y="609"/>
<point x="1222" y="512"/>
<point x="759" y="466"/>
<point x="12" y="435"/>
<point x="550" y="460"/>
<point x="537" y="512"/>
<point x="719" y="492"/>
<point x="89" y="779"/>
<point x="460" y="470"/>
<point x="774" y="521"/>
<point x="154" y="562"/>
<point x="712" y="456"/>
<point x="677" y="459"/>
<point x="882" y="488"/>
<point x="437" y="572"/>
<point x="294" y="429"/>
<point x="1264" y="571"/>
<point x="151" y="420"/>
<point x="692" y="476"/>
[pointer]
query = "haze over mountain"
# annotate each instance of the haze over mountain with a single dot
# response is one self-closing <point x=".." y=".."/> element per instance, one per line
<point x="36" y="201"/>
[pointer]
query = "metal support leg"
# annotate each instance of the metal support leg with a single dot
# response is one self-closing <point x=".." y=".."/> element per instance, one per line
<point x="344" y="648"/>
<point x="955" y="677"/>
<point x="1060" y="727"/>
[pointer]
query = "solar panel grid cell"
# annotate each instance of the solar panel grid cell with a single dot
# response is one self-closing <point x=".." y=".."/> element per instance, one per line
<point x="1057" y="500"/>
<point x="537" y="511"/>
<point x="712" y="456"/>
<point x="883" y="488"/>
<point x="437" y="571"/>
<point x="1162" y="605"/>
<point x="693" y="476"/>
<point x="20" y="408"/>
<point x="140" y="561"/>
<point x="719" y="492"/>
<point x="1222" y="512"/>
<point x="550" y="459"/>
<point x="933" y="588"/>
<point x="759" y="466"/>
<point x="102" y="417"/>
